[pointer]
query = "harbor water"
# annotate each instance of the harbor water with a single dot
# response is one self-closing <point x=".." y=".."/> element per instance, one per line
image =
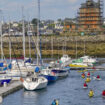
<point x="69" y="91"/>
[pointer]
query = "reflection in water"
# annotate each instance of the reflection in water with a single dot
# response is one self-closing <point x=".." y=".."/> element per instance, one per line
<point x="29" y="94"/>
<point x="32" y="97"/>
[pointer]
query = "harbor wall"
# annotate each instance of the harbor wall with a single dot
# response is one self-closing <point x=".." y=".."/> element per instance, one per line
<point x="94" y="45"/>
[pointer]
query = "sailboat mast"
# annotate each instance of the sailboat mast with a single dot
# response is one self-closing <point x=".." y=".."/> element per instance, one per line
<point x="29" y="39"/>
<point x="23" y="28"/>
<point x="1" y="36"/>
<point x="38" y="34"/>
<point x="63" y="48"/>
<point x="65" y="43"/>
<point x="76" y="47"/>
<point x="84" y="47"/>
<point x="9" y="42"/>
<point x="52" y="45"/>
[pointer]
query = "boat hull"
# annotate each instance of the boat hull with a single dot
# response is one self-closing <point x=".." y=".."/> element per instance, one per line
<point x="50" y="78"/>
<point x="60" y="73"/>
<point x="77" y="65"/>
<point x="35" y="85"/>
<point x="85" y="87"/>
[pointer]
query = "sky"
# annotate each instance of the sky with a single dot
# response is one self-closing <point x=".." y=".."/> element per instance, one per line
<point x="50" y="9"/>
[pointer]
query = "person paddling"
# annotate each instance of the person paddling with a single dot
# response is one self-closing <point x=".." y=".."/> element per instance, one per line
<point x="54" y="102"/>
<point x="98" y="77"/>
<point x="88" y="74"/>
<point x="85" y="85"/>
<point x="103" y="93"/>
<point x="83" y="75"/>
<point x="57" y="103"/>
<point x="91" y="93"/>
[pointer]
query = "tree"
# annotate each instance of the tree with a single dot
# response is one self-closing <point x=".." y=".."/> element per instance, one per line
<point x="59" y="20"/>
<point x="34" y="21"/>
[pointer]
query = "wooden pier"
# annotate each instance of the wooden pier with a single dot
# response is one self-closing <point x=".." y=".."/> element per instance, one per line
<point x="10" y="88"/>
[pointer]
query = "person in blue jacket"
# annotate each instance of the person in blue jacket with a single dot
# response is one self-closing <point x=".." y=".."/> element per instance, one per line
<point x="54" y="102"/>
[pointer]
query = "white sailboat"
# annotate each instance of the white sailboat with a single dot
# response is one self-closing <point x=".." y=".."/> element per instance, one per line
<point x="3" y="63"/>
<point x="25" y="66"/>
<point x="36" y="82"/>
<point x="16" y="64"/>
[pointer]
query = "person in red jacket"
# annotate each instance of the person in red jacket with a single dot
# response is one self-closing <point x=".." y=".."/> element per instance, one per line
<point x="103" y="93"/>
<point x="85" y="85"/>
<point x="98" y="76"/>
<point x="88" y="74"/>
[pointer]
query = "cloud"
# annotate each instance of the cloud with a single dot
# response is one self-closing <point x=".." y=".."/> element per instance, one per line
<point x="72" y="1"/>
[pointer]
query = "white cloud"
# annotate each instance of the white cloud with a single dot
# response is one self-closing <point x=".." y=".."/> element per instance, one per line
<point x="72" y="1"/>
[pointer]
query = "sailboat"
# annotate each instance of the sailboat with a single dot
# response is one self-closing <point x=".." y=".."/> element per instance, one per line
<point x="35" y="81"/>
<point x="58" y="68"/>
<point x="47" y="71"/>
<point x="24" y="64"/>
<point x="14" y="70"/>
<point x="3" y="64"/>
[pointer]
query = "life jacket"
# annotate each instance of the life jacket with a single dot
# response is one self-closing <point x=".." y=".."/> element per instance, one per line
<point x="57" y="103"/>
<point x="91" y="94"/>
<point x="88" y="80"/>
<point x="88" y="74"/>
<point x="103" y="93"/>
<point x="98" y="76"/>
<point x="85" y="85"/>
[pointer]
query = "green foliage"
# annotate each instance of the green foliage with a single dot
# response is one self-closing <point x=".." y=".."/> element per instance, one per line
<point x="34" y="21"/>
<point x="51" y="26"/>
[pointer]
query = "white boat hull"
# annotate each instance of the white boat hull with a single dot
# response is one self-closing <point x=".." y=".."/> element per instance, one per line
<point x="85" y="87"/>
<point x="98" y="79"/>
<point x="35" y="85"/>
